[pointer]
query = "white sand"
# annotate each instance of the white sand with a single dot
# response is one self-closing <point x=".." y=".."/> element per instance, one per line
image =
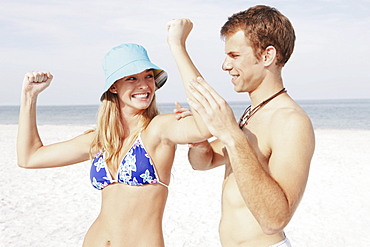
<point x="55" y="207"/>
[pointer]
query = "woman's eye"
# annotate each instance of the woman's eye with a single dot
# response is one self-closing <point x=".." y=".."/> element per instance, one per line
<point x="130" y="78"/>
<point x="149" y="76"/>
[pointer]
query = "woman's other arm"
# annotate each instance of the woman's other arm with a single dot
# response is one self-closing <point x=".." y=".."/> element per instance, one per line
<point x="31" y="152"/>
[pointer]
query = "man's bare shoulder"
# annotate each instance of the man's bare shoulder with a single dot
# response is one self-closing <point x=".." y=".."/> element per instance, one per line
<point x="291" y="122"/>
<point x="290" y="115"/>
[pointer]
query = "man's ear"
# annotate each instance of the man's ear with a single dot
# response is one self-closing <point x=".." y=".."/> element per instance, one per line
<point x="269" y="55"/>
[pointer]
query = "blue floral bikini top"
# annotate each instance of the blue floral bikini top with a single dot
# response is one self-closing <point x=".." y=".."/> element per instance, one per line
<point x="135" y="169"/>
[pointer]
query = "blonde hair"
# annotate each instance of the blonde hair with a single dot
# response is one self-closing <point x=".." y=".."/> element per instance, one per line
<point x="110" y="132"/>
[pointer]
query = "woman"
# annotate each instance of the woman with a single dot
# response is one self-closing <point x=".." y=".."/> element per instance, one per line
<point x="132" y="148"/>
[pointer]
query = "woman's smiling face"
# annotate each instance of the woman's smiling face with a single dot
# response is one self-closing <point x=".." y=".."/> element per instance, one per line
<point x="135" y="91"/>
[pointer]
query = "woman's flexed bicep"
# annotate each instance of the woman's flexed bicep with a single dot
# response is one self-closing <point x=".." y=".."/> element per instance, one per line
<point x="177" y="131"/>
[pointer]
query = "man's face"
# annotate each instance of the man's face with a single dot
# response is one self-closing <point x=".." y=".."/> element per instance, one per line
<point x="246" y="70"/>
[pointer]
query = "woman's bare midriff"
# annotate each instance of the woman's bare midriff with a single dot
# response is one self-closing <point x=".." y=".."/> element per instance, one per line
<point x="130" y="216"/>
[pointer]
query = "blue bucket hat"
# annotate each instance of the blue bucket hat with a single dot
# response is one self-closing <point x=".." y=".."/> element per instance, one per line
<point x="129" y="59"/>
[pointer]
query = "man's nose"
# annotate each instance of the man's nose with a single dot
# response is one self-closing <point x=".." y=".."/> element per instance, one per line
<point x="226" y="65"/>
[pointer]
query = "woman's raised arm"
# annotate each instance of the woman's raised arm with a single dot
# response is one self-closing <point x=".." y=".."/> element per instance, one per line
<point x="31" y="152"/>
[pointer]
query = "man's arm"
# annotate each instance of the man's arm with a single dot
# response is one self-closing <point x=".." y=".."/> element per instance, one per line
<point x="271" y="193"/>
<point x="205" y="155"/>
<point x="202" y="155"/>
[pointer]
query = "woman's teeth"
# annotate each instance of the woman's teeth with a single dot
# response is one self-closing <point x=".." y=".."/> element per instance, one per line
<point x="141" y="96"/>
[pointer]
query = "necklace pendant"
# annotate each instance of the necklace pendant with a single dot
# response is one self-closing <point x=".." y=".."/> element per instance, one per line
<point x="245" y="117"/>
<point x="248" y="113"/>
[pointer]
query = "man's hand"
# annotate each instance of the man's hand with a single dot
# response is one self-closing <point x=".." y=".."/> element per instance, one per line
<point x="214" y="110"/>
<point x="181" y="112"/>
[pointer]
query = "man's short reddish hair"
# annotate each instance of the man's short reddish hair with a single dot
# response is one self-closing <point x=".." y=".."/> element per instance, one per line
<point x="263" y="26"/>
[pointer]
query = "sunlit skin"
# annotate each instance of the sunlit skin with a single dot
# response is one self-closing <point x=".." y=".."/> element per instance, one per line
<point x="135" y="92"/>
<point x="241" y="64"/>
<point x="129" y="215"/>
<point x="267" y="162"/>
<point x="257" y="76"/>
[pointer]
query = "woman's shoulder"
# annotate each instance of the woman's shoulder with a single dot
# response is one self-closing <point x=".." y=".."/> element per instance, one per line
<point x="85" y="139"/>
<point x="155" y="134"/>
<point x="162" y="120"/>
<point x="160" y="125"/>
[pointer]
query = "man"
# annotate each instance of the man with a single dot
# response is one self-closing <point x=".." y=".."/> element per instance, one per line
<point x="267" y="154"/>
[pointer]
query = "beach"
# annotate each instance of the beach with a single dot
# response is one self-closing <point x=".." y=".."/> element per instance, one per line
<point x="55" y="207"/>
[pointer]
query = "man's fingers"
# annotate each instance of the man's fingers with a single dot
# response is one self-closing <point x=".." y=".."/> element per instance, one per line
<point x="202" y="95"/>
<point x="196" y="106"/>
<point x="181" y="112"/>
<point x="179" y="108"/>
<point x="178" y="105"/>
<point x="209" y="90"/>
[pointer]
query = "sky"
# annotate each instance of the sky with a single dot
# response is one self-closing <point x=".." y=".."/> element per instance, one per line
<point x="69" y="38"/>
